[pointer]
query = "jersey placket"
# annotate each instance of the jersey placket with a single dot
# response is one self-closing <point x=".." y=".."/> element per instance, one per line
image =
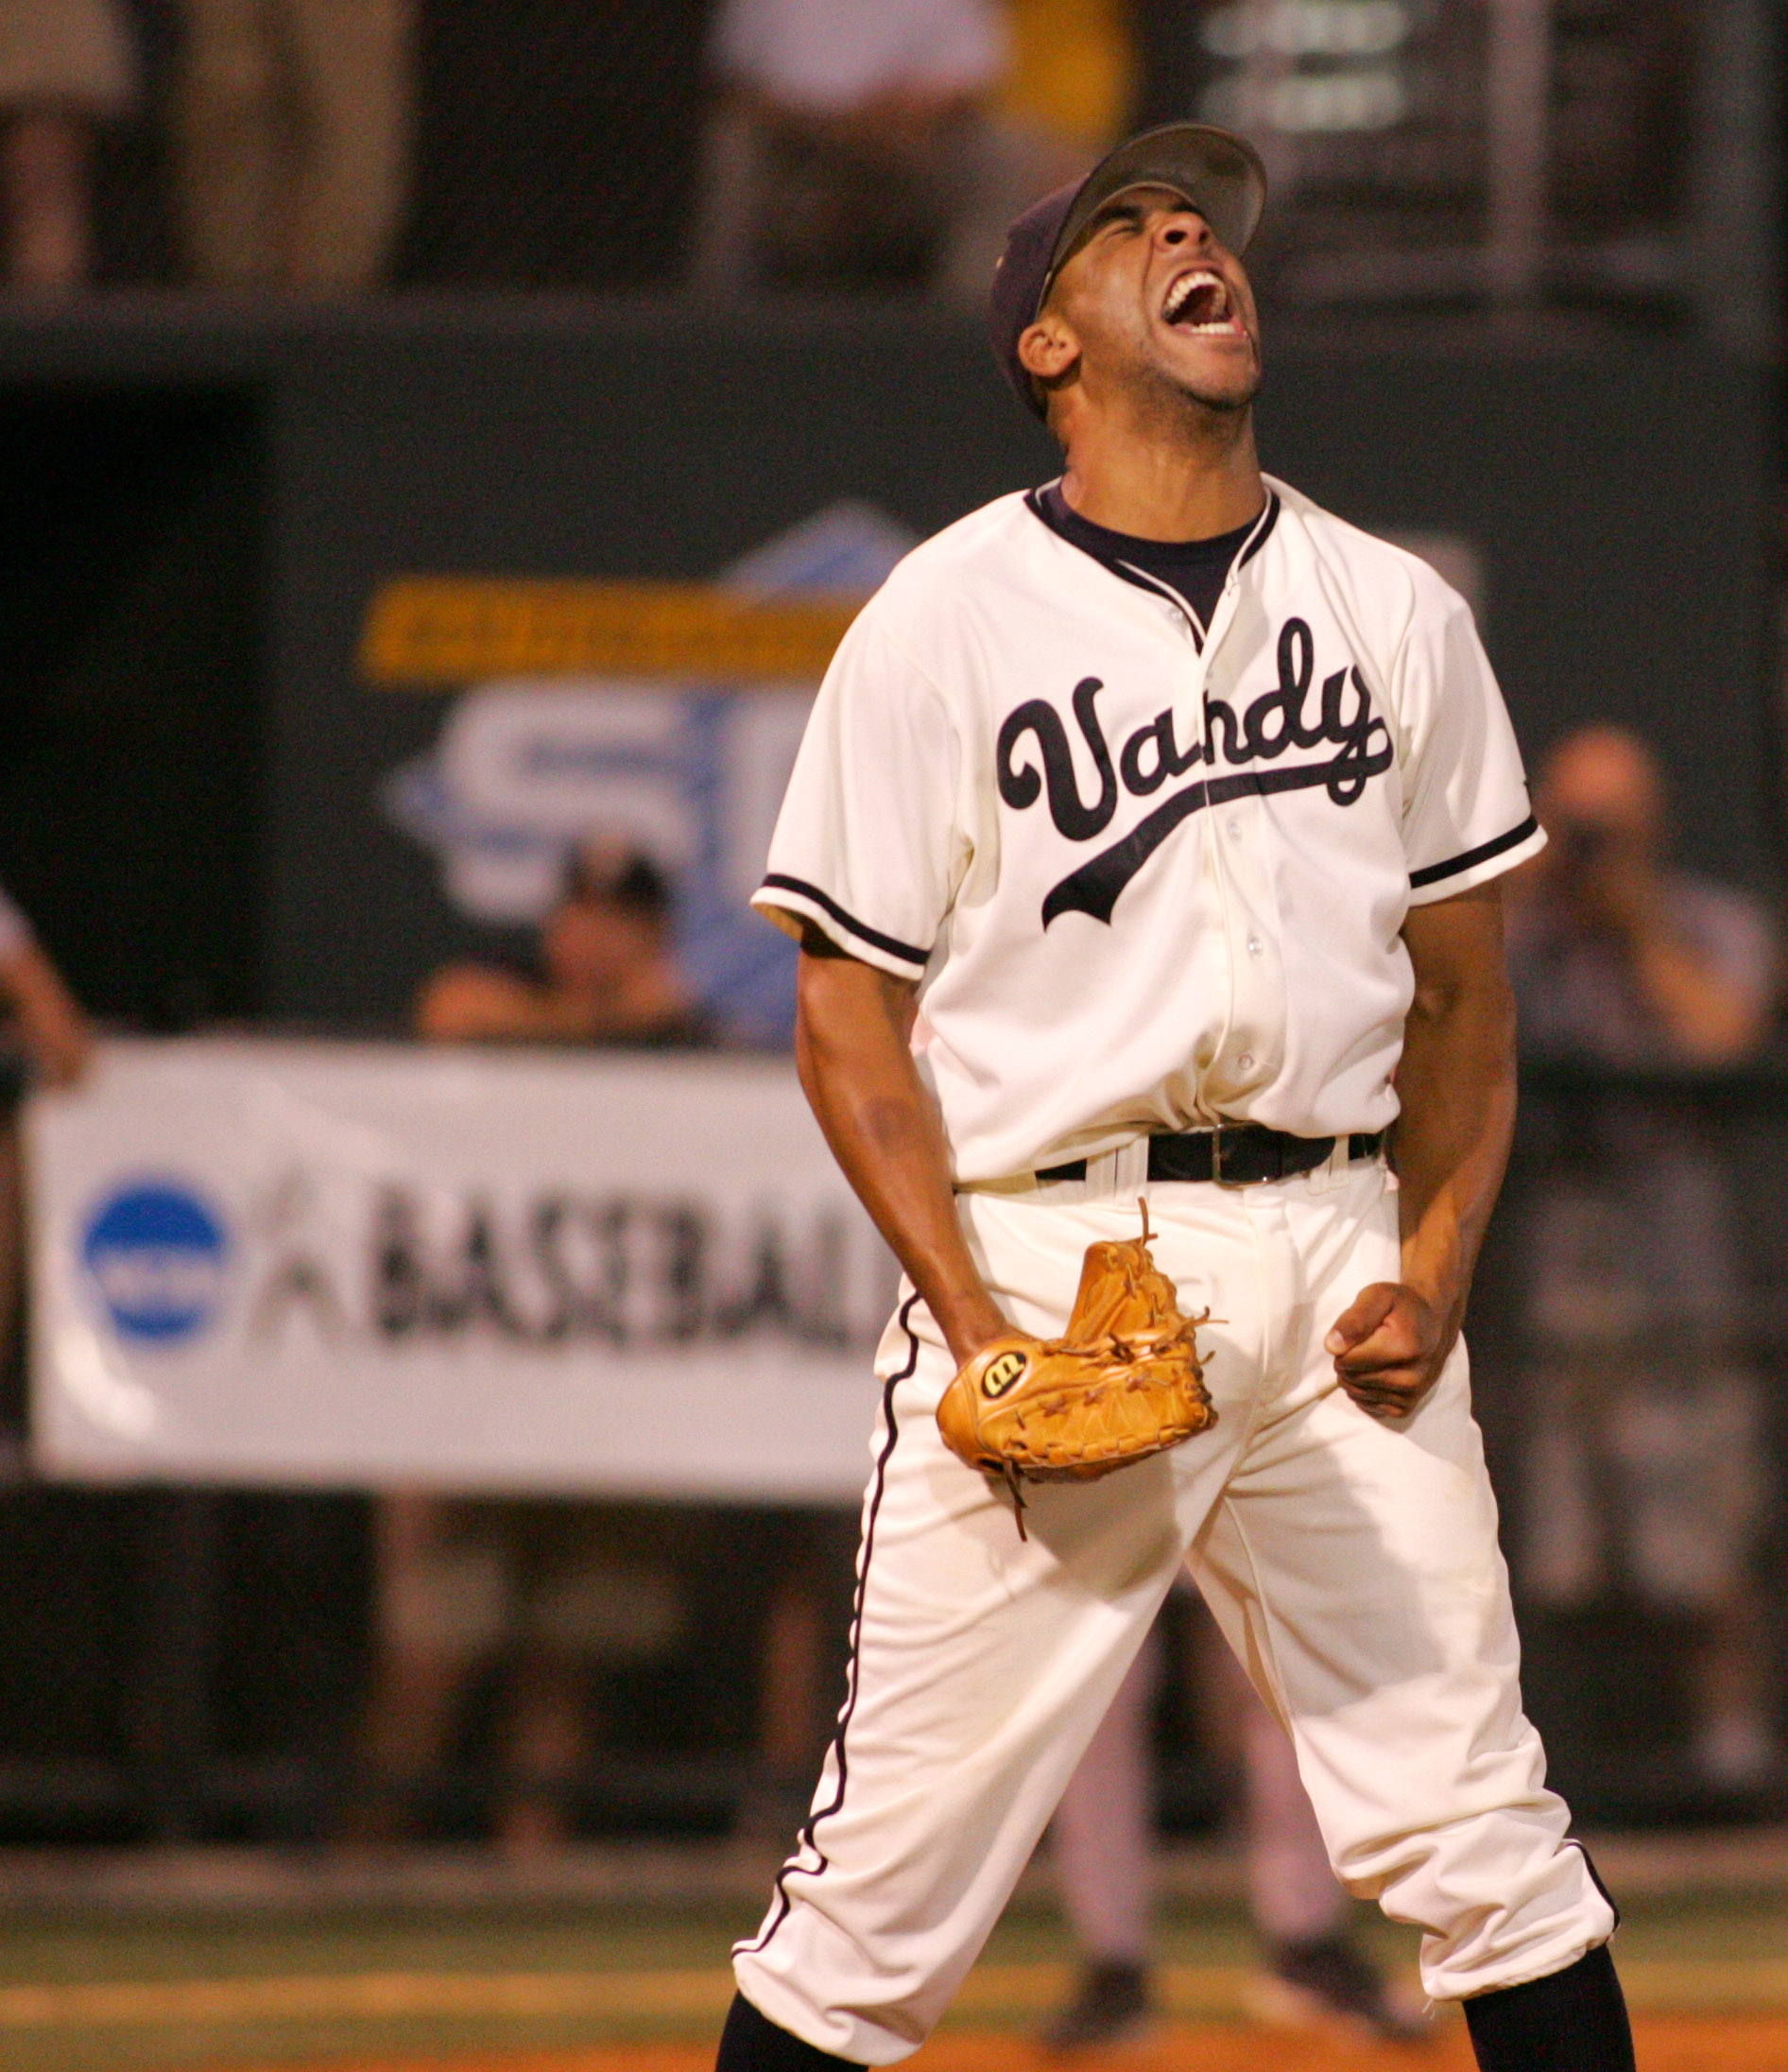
<point x="1239" y="839"/>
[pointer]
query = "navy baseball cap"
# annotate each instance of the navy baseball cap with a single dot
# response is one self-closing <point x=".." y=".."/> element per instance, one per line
<point x="1220" y="175"/>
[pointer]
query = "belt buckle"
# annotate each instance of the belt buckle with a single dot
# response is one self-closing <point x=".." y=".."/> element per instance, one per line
<point x="1217" y="1163"/>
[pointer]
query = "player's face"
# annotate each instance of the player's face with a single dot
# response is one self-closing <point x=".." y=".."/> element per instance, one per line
<point x="1153" y="297"/>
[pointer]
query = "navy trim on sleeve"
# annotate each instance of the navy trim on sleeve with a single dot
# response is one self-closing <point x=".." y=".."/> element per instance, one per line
<point x="1483" y="853"/>
<point x="887" y="942"/>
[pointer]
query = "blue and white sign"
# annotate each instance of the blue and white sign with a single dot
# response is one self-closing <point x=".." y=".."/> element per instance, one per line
<point x="347" y="1265"/>
<point x="155" y="1254"/>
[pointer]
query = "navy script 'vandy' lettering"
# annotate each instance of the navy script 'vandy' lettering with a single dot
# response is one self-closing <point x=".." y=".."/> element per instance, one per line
<point x="1279" y="719"/>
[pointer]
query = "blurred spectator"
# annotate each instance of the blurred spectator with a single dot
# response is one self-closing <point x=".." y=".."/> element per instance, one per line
<point x="293" y="136"/>
<point x="846" y="139"/>
<point x="47" y="1036"/>
<point x="65" y="66"/>
<point x="1065" y="100"/>
<point x="43" y="1038"/>
<point x="606" y="973"/>
<point x="553" y="1588"/>
<point x="1644" y="1465"/>
<point x="549" y="1589"/>
<point x="556" y="144"/>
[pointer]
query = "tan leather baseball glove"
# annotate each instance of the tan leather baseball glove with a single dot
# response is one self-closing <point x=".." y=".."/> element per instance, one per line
<point x="1124" y="1380"/>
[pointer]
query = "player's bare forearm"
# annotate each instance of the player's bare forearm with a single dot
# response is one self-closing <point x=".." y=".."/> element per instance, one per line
<point x="1711" y="1018"/>
<point x="1456" y="1085"/>
<point x="851" y="1049"/>
<point x="1712" y="1021"/>
<point x="54" y="1030"/>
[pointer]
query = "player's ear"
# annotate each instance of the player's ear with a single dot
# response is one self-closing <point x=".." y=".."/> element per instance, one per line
<point x="1048" y="349"/>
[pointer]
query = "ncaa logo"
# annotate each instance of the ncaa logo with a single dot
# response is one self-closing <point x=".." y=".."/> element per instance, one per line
<point x="155" y="1254"/>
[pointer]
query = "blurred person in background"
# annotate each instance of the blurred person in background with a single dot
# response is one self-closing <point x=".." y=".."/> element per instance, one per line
<point x="1644" y="1462"/>
<point x="1103" y="1842"/>
<point x="292" y="131"/>
<point x="560" y="1588"/>
<point x="555" y="1587"/>
<point x="1066" y="96"/>
<point x="843" y="146"/>
<point x="44" y="1040"/>
<point x="547" y="133"/>
<point x="65" y="67"/>
<point x="608" y="970"/>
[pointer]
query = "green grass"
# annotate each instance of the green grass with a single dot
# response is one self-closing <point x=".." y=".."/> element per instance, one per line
<point x="507" y="1939"/>
<point x="561" y="1942"/>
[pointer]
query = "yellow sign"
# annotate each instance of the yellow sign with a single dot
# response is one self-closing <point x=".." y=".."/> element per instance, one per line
<point x="434" y="633"/>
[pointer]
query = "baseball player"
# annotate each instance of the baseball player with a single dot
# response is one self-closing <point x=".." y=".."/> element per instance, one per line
<point x="1143" y="849"/>
<point x="1104" y="1849"/>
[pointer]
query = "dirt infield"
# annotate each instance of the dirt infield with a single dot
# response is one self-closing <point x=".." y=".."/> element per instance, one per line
<point x="1666" y="2043"/>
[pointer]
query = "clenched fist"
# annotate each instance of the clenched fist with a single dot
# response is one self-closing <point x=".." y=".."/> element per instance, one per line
<point x="1389" y="1348"/>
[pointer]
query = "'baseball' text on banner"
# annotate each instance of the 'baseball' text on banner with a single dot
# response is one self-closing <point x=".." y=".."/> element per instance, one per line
<point x="316" y="1263"/>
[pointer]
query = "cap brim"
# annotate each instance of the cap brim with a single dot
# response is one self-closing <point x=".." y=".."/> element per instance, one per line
<point x="1220" y="175"/>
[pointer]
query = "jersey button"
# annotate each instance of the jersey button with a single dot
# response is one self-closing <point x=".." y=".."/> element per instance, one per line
<point x="1255" y="945"/>
<point x="1235" y="830"/>
<point x="1247" y="1061"/>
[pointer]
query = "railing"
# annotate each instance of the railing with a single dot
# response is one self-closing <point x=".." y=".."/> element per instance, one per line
<point x="1507" y="153"/>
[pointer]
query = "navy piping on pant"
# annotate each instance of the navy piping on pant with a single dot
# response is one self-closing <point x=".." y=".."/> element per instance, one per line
<point x="1595" y="1875"/>
<point x="854" y="1678"/>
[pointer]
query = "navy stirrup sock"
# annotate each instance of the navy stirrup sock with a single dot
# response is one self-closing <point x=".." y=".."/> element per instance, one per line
<point x="1572" y="2021"/>
<point x="749" y="2043"/>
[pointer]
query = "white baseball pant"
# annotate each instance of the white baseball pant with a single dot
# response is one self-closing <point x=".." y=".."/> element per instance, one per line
<point x="1352" y="1565"/>
<point x="1102" y="1834"/>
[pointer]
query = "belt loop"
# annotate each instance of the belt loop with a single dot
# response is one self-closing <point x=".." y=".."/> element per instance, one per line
<point x="1127" y="1170"/>
<point x="1332" y="1172"/>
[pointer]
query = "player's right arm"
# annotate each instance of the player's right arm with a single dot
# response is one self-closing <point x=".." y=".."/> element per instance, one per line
<point x="50" y="1021"/>
<point x="850" y="1048"/>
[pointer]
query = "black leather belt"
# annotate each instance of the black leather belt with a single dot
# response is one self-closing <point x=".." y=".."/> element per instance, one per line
<point x="1242" y="1155"/>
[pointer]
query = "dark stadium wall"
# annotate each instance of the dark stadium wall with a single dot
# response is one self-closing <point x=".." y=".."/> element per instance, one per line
<point x="1618" y="538"/>
<point x="130" y="551"/>
<point x="203" y="503"/>
<point x="207" y="501"/>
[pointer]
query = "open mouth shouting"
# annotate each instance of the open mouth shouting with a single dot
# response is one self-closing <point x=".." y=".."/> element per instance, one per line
<point x="1199" y="301"/>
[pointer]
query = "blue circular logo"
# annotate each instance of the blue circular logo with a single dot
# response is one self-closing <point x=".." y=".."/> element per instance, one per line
<point x="155" y="1252"/>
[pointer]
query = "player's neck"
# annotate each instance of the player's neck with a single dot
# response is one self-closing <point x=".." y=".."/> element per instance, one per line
<point x="1193" y="486"/>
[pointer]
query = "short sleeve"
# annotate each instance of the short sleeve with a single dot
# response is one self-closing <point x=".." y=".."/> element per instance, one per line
<point x="868" y="845"/>
<point x="1466" y="815"/>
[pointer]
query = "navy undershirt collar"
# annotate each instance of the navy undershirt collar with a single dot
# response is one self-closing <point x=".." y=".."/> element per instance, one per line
<point x="1194" y="570"/>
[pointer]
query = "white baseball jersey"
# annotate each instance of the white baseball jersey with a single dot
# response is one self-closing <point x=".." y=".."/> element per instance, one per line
<point x="1146" y="880"/>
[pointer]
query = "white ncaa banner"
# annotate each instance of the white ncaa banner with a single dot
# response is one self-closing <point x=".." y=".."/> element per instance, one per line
<point x="352" y="1264"/>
